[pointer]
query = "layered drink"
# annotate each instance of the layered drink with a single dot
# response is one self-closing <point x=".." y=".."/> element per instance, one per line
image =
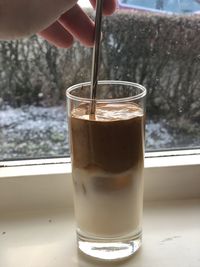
<point x="107" y="151"/>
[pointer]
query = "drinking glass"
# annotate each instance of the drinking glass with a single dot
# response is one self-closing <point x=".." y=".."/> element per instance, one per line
<point x="107" y="153"/>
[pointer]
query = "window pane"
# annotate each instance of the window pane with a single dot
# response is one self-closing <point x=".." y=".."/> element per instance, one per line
<point x="157" y="50"/>
<point x="173" y="6"/>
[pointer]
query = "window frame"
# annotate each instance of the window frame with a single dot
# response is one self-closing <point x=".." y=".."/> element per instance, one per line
<point x="167" y="174"/>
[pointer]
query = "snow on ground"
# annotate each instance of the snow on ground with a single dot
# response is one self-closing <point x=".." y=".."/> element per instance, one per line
<point x="36" y="132"/>
<point x="33" y="132"/>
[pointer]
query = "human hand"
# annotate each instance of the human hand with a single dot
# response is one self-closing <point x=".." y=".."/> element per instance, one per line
<point x="75" y="23"/>
<point x="58" y="21"/>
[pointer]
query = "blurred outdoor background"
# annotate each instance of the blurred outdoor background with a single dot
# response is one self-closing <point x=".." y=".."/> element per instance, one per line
<point x="160" y="51"/>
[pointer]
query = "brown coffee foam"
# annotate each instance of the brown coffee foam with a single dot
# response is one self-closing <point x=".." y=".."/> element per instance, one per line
<point x="109" y="145"/>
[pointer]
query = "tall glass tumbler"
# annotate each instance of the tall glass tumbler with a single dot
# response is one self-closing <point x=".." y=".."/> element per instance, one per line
<point x="107" y="153"/>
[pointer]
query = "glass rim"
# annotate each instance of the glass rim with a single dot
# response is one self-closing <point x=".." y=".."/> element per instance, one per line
<point x="107" y="100"/>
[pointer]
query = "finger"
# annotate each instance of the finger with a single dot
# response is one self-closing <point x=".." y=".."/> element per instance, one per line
<point x="109" y="6"/>
<point x="79" y="25"/>
<point x="57" y="35"/>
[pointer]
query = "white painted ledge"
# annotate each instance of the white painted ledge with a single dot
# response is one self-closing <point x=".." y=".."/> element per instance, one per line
<point x="46" y="238"/>
<point x="48" y="185"/>
<point x="37" y="227"/>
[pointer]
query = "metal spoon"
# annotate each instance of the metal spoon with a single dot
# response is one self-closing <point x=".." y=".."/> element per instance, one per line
<point x="96" y="53"/>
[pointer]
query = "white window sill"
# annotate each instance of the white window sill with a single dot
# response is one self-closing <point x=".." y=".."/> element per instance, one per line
<point x="37" y="225"/>
<point x="49" y="184"/>
<point x="171" y="237"/>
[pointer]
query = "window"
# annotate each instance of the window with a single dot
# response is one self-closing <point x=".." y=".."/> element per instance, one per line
<point x="157" y="50"/>
<point x="168" y="6"/>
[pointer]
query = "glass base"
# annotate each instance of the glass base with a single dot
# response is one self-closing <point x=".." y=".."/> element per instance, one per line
<point x="110" y="248"/>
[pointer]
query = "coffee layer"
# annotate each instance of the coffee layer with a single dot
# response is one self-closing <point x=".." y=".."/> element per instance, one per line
<point x="112" y="140"/>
